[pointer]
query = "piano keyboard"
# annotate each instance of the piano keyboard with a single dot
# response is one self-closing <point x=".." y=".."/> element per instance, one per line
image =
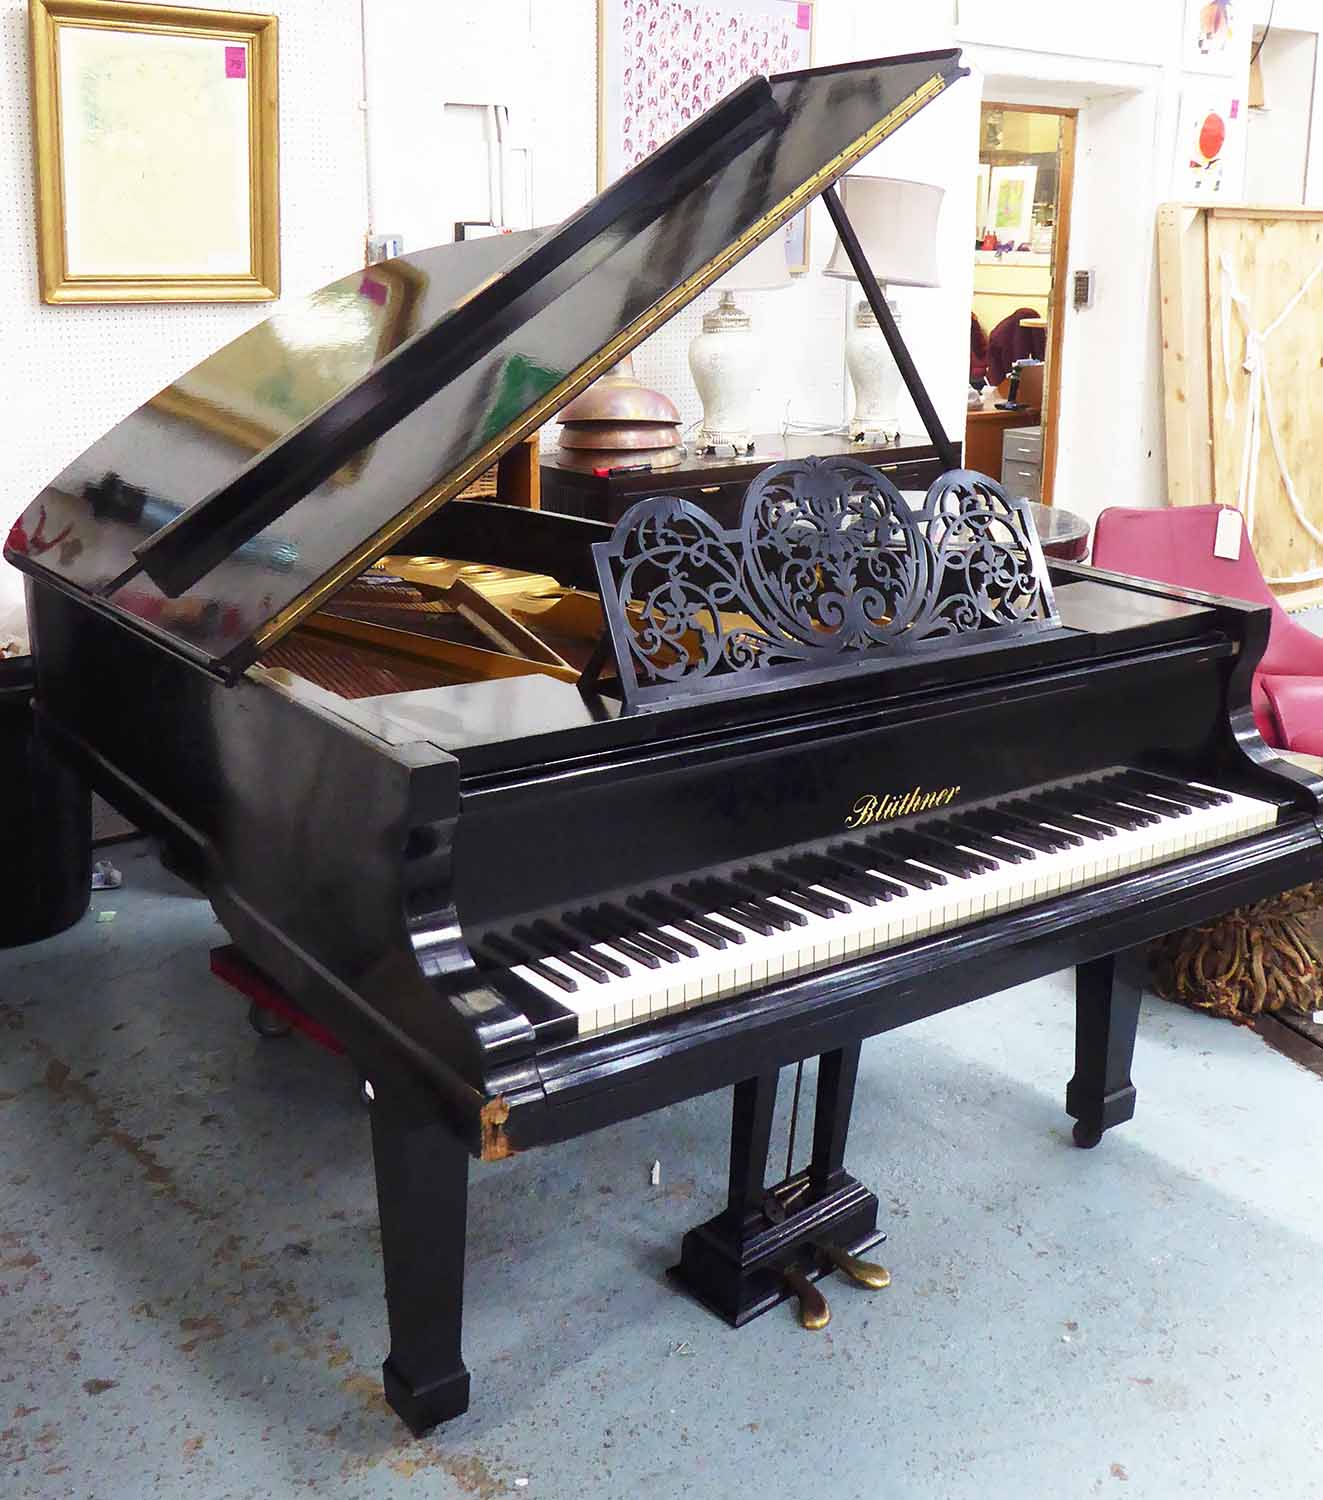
<point x="706" y="939"/>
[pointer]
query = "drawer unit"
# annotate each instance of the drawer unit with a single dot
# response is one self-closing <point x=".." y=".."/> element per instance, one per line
<point x="1024" y="445"/>
<point x="1021" y="481"/>
<point x="1022" y="462"/>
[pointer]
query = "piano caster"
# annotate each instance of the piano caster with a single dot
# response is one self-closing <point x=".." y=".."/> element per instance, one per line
<point x="865" y="1273"/>
<point x="1086" y="1137"/>
<point x="813" y="1310"/>
<point x="268" y="1024"/>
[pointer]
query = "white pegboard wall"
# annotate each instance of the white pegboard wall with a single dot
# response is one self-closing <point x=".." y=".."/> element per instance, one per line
<point x="68" y="373"/>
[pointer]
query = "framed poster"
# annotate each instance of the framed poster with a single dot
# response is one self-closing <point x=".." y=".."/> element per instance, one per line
<point x="661" y="63"/>
<point x="1216" y="35"/>
<point x="156" y="152"/>
<point x="1011" y="204"/>
<point x="1209" y="149"/>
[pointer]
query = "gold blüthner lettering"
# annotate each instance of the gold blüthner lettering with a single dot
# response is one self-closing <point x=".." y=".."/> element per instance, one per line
<point x="877" y="809"/>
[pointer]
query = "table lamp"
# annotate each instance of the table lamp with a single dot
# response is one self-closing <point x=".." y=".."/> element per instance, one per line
<point x="726" y="358"/>
<point x="896" y="225"/>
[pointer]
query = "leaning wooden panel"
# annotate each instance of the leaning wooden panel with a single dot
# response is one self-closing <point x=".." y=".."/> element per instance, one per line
<point x="1183" y="276"/>
<point x="1265" y="306"/>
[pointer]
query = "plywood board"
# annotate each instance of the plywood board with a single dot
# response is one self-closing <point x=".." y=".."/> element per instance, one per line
<point x="1182" y="270"/>
<point x="1267" y="254"/>
<point x="1267" y="259"/>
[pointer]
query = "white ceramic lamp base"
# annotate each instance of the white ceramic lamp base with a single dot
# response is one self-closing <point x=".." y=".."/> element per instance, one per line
<point x="874" y="376"/>
<point x="725" y="361"/>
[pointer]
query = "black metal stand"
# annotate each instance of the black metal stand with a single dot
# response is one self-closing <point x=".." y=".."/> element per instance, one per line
<point x="422" y="1196"/>
<point x="735" y="1263"/>
<point x="1107" y="995"/>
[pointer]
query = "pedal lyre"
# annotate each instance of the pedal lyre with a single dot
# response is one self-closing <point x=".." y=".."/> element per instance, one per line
<point x="813" y="1310"/>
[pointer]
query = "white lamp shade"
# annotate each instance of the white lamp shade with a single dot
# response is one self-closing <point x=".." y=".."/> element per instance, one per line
<point x="896" y="224"/>
<point x="763" y="269"/>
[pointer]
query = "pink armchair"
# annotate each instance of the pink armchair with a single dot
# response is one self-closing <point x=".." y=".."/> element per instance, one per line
<point x="1176" y="546"/>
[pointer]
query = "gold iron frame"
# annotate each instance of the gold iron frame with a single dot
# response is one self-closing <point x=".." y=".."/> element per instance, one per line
<point x="258" y="34"/>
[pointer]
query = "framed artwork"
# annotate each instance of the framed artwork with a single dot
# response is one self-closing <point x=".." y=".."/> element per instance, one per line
<point x="156" y="152"/>
<point x="1216" y="35"/>
<point x="1011" y="203"/>
<point x="264" y="383"/>
<point x="1208" y="141"/>
<point x="982" y="198"/>
<point x="661" y="63"/>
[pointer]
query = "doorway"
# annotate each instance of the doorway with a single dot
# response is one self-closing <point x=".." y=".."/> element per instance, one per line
<point x="1021" y="258"/>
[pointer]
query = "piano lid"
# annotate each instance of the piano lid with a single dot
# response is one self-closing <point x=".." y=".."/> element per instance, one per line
<point x="238" y="499"/>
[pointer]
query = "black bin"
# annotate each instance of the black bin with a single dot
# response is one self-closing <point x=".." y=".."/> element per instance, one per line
<point x="45" y="823"/>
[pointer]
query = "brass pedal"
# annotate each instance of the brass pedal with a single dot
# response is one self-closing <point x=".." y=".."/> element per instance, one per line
<point x="813" y="1310"/>
<point x="862" y="1272"/>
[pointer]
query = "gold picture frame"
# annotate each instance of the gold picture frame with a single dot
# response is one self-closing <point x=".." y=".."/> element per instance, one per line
<point x="156" y="134"/>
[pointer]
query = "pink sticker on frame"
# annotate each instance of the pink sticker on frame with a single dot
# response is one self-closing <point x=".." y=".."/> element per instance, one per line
<point x="236" y="61"/>
<point x="804" y="18"/>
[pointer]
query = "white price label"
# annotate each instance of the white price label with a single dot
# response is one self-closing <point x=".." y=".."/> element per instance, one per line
<point x="1230" y="529"/>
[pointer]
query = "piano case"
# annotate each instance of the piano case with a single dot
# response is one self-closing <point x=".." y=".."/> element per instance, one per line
<point x="410" y="814"/>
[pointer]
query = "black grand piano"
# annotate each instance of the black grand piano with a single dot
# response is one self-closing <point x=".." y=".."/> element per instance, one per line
<point x="553" y="824"/>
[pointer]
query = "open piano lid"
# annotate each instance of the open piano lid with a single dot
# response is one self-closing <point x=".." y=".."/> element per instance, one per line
<point x="237" y="500"/>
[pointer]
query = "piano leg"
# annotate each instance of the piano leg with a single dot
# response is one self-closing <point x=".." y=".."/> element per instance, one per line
<point x="1107" y="995"/>
<point x="422" y="1197"/>
<point x="735" y="1264"/>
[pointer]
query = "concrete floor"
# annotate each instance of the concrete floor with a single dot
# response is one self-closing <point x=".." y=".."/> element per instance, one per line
<point x="190" y="1297"/>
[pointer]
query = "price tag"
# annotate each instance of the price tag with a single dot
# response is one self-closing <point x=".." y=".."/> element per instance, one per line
<point x="1230" y="529"/>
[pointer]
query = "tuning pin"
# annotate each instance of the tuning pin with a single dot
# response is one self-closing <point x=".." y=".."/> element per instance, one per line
<point x="863" y="1272"/>
<point x="813" y="1310"/>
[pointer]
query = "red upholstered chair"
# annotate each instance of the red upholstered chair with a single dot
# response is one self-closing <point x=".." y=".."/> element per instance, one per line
<point x="1175" y="545"/>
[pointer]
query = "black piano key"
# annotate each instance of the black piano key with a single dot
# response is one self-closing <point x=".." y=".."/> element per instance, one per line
<point x="584" y="966"/>
<point x="626" y="927"/>
<point x="542" y="934"/>
<point x="662" y="909"/>
<point x="608" y="961"/>
<point x="976" y="864"/>
<point x="870" y="868"/>
<point x="1201" y="796"/>
<point x="674" y="941"/>
<point x="715" y="899"/>
<point x="1136" y="796"/>
<point x="1058" y="817"/>
<point x="709" y="930"/>
<point x="817" y="902"/>
<point x="840" y="877"/>
<point x="1109" y="791"/>
<point x="792" y="887"/>
<point x="551" y="1021"/>
<point x="909" y="848"/>
<point x="1061" y="838"/>
<point x="603" y="935"/>
<point x="1066" y="802"/>
<point x="1144" y="801"/>
<point x="517" y="954"/>
<point x="995" y="823"/>
<point x="987" y="843"/>
<point x="877" y="858"/>
<point x="749" y="898"/>
<point x="1132" y="782"/>
<point x="1126" y="817"/>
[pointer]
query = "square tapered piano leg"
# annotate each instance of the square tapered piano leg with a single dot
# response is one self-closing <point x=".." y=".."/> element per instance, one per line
<point x="422" y="1197"/>
<point x="736" y="1263"/>
<point x="1107" y="996"/>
